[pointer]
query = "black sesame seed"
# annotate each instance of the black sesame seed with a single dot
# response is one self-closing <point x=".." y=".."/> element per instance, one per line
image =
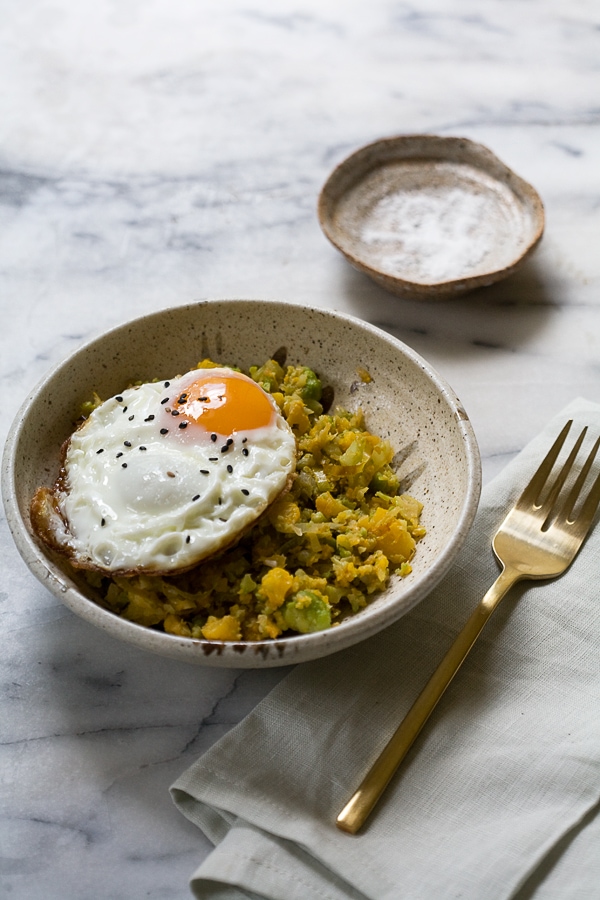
<point x="230" y="441"/>
<point x="188" y="539"/>
<point x="120" y="453"/>
<point x="182" y="398"/>
<point x="149" y="418"/>
<point x="127" y="443"/>
<point x="166" y="400"/>
<point x="164" y="430"/>
<point x="197" y="497"/>
<point x="244" y="440"/>
<point x="230" y="469"/>
<point x="174" y="412"/>
<point x="130" y="418"/>
<point x="245" y="451"/>
<point x="204" y="472"/>
<point x="124" y="409"/>
<point x="213" y="459"/>
<point x="119" y="399"/>
<point x="142" y="447"/>
<point x="101" y="450"/>
<point x="203" y="399"/>
<point x="167" y="383"/>
<point x="245" y="492"/>
<point x="221" y="519"/>
<point x="183" y="424"/>
<point x="225" y="448"/>
<point x="213" y="437"/>
<point x="103" y="522"/>
<point x="124" y="465"/>
<point x="220" y="500"/>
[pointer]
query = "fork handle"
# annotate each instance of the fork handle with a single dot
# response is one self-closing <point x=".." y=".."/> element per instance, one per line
<point x="360" y="805"/>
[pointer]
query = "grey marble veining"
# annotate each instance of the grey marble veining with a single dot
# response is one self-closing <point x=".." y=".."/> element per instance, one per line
<point x="155" y="153"/>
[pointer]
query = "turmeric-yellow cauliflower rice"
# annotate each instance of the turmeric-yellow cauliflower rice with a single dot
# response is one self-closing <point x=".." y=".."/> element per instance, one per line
<point x="317" y="556"/>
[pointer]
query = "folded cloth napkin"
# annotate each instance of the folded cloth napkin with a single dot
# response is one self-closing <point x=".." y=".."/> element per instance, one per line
<point x="499" y="796"/>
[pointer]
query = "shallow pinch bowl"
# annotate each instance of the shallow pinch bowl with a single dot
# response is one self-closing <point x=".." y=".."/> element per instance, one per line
<point x="430" y="217"/>
<point x="406" y="402"/>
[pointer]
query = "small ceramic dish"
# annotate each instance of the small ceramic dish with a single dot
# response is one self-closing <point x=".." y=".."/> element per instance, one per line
<point x="406" y="402"/>
<point x="430" y="217"/>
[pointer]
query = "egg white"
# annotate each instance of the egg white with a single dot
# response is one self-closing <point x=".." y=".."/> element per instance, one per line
<point x="138" y="500"/>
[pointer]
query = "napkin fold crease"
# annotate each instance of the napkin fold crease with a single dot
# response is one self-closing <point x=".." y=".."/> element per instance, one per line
<point x="499" y="796"/>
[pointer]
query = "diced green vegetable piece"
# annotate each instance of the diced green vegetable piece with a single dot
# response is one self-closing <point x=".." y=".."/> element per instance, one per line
<point x="385" y="481"/>
<point x="334" y="594"/>
<point x="354" y="454"/>
<point x="270" y="375"/>
<point x="322" y="483"/>
<point x="314" y="406"/>
<point x="304" y="484"/>
<point x="307" y="612"/>
<point x="312" y="388"/>
<point x="247" y="584"/>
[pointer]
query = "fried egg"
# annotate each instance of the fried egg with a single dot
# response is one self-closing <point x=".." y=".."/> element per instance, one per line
<point x="165" y="475"/>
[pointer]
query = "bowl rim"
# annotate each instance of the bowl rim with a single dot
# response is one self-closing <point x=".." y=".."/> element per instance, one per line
<point x="302" y="647"/>
<point x="329" y="197"/>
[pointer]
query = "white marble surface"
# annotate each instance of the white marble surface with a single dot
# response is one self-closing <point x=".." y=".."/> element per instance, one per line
<point x="153" y="153"/>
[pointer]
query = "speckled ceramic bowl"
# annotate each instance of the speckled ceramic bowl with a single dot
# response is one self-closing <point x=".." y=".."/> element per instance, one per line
<point x="430" y="217"/>
<point x="406" y="401"/>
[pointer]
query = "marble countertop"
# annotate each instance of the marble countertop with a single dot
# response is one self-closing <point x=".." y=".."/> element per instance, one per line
<point x="157" y="153"/>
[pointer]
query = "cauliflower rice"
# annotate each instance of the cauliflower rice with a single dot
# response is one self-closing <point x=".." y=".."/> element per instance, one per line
<point x="319" y="553"/>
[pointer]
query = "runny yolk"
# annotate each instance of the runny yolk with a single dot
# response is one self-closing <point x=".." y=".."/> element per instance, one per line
<point x="225" y="404"/>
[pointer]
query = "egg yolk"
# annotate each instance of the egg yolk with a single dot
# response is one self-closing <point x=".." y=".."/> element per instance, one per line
<point x="225" y="404"/>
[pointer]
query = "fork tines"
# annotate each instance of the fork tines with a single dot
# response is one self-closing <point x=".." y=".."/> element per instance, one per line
<point x="532" y="495"/>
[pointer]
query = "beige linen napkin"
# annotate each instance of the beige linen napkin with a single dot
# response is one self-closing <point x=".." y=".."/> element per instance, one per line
<point x="499" y="796"/>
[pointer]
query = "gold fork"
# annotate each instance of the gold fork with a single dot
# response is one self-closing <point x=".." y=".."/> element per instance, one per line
<point x="539" y="538"/>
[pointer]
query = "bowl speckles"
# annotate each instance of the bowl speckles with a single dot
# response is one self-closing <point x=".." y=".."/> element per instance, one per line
<point x="430" y="217"/>
<point x="406" y="401"/>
